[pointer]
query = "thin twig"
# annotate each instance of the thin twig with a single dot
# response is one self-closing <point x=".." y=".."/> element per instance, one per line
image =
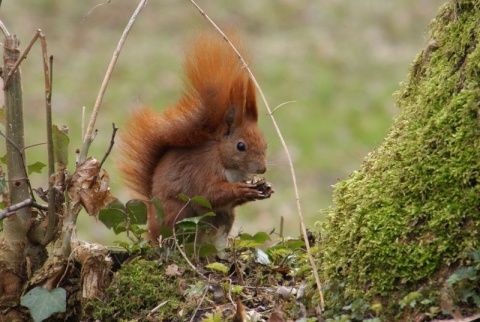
<point x="83" y="122"/>
<point x="26" y="203"/>
<point x="185" y="256"/>
<point x="112" y="142"/>
<point x="285" y="148"/>
<point x="175" y="240"/>
<point x="4" y="29"/>
<point x="280" y="105"/>
<point x="48" y="72"/>
<point x="88" y="138"/>
<point x="200" y="302"/>
<point x="33" y="145"/>
<point x="156" y="308"/>
<point x="107" y="153"/>
<point x="22" y="56"/>
<point x="94" y="7"/>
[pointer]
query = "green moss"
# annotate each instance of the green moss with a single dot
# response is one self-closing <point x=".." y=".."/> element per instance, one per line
<point x="413" y="209"/>
<point x="135" y="290"/>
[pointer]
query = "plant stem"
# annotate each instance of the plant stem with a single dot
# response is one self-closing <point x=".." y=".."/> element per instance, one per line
<point x="88" y="138"/>
<point x="18" y="227"/>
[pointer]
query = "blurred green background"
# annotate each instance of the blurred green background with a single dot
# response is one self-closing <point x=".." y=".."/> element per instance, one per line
<point x="340" y="61"/>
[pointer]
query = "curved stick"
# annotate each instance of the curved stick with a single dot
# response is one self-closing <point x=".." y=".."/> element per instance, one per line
<point x="285" y="148"/>
<point x="88" y="138"/>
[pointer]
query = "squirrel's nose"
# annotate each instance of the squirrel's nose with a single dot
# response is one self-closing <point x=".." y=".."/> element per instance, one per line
<point x="261" y="170"/>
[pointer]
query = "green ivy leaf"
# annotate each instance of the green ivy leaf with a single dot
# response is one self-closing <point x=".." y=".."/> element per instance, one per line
<point x="261" y="237"/>
<point x="42" y="304"/>
<point x="36" y="167"/>
<point x="113" y="215"/>
<point x="197" y="219"/>
<point x="249" y="241"/>
<point x="245" y="236"/>
<point x="462" y="274"/>
<point x="261" y="257"/>
<point x="120" y="228"/>
<point x="294" y="244"/>
<point x="160" y="213"/>
<point x="476" y="256"/>
<point x="4" y="159"/>
<point x="206" y="250"/>
<point x="202" y="202"/>
<point x="137" y="211"/>
<point x="60" y="145"/>
<point x="410" y="300"/>
<point x="218" y="267"/>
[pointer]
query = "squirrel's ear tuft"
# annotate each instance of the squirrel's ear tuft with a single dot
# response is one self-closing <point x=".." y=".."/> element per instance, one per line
<point x="251" y="111"/>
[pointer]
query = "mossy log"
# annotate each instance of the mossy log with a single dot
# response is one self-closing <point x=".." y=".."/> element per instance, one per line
<point x="411" y="215"/>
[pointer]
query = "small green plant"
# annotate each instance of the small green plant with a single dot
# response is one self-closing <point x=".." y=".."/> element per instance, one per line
<point x="214" y="317"/>
<point x="129" y="218"/>
<point x="464" y="283"/>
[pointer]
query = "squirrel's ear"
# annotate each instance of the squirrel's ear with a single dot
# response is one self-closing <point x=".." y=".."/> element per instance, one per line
<point x="251" y="111"/>
<point x="229" y="120"/>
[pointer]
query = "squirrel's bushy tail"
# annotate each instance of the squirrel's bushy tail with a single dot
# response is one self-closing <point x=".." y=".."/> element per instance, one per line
<point x="214" y="80"/>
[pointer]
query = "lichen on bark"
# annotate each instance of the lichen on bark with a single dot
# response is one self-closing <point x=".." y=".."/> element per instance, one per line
<point x="411" y="213"/>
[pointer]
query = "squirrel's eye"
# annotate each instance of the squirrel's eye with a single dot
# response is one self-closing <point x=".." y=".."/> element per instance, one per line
<point x="241" y="146"/>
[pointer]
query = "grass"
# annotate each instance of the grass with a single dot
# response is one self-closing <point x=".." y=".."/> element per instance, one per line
<point x="340" y="61"/>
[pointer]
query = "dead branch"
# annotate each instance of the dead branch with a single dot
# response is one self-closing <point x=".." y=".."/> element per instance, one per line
<point x="93" y="8"/>
<point x="88" y="138"/>
<point x="8" y="211"/>
<point x="48" y="73"/>
<point x="23" y="55"/>
<point x="285" y="148"/>
<point x="4" y="29"/>
<point x="112" y="142"/>
<point x="107" y="153"/>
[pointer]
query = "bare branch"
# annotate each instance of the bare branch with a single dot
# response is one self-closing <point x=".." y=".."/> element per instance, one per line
<point x="8" y="211"/>
<point x="88" y="138"/>
<point x="48" y="73"/>
<point x="285" y="148"/>
<point x="200" y="302"/>
<point x="22" y="56"/>
<point x="93" y="8"/>
<point x="4" y="29"/>
<point x="280" y="105"/>
<point x="112" y="142"/>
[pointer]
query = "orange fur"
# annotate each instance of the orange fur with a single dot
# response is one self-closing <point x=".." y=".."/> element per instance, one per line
<point x="193" y="147"/>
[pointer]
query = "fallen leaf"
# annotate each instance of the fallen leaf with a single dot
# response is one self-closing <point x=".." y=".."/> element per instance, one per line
<point x="173" y="270"/>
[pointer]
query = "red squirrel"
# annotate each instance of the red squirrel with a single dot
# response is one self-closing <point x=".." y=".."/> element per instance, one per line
<point x="208" y="144"/>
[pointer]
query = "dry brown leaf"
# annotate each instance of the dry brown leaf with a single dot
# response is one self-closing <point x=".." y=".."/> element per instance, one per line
<point x="90" y="188"/>
<point x="240" y="315"/>
<point x="277" y="314"/>
<point x="173" y="270"/>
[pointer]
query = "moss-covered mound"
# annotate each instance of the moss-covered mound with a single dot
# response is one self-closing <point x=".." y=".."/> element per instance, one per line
<point x="136" y="289"/>
<point x="410" y="216"/>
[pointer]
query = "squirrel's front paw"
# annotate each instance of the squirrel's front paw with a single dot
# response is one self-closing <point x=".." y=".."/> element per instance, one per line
<point x="258" y="189"/>
<point x="266" y="189"/>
